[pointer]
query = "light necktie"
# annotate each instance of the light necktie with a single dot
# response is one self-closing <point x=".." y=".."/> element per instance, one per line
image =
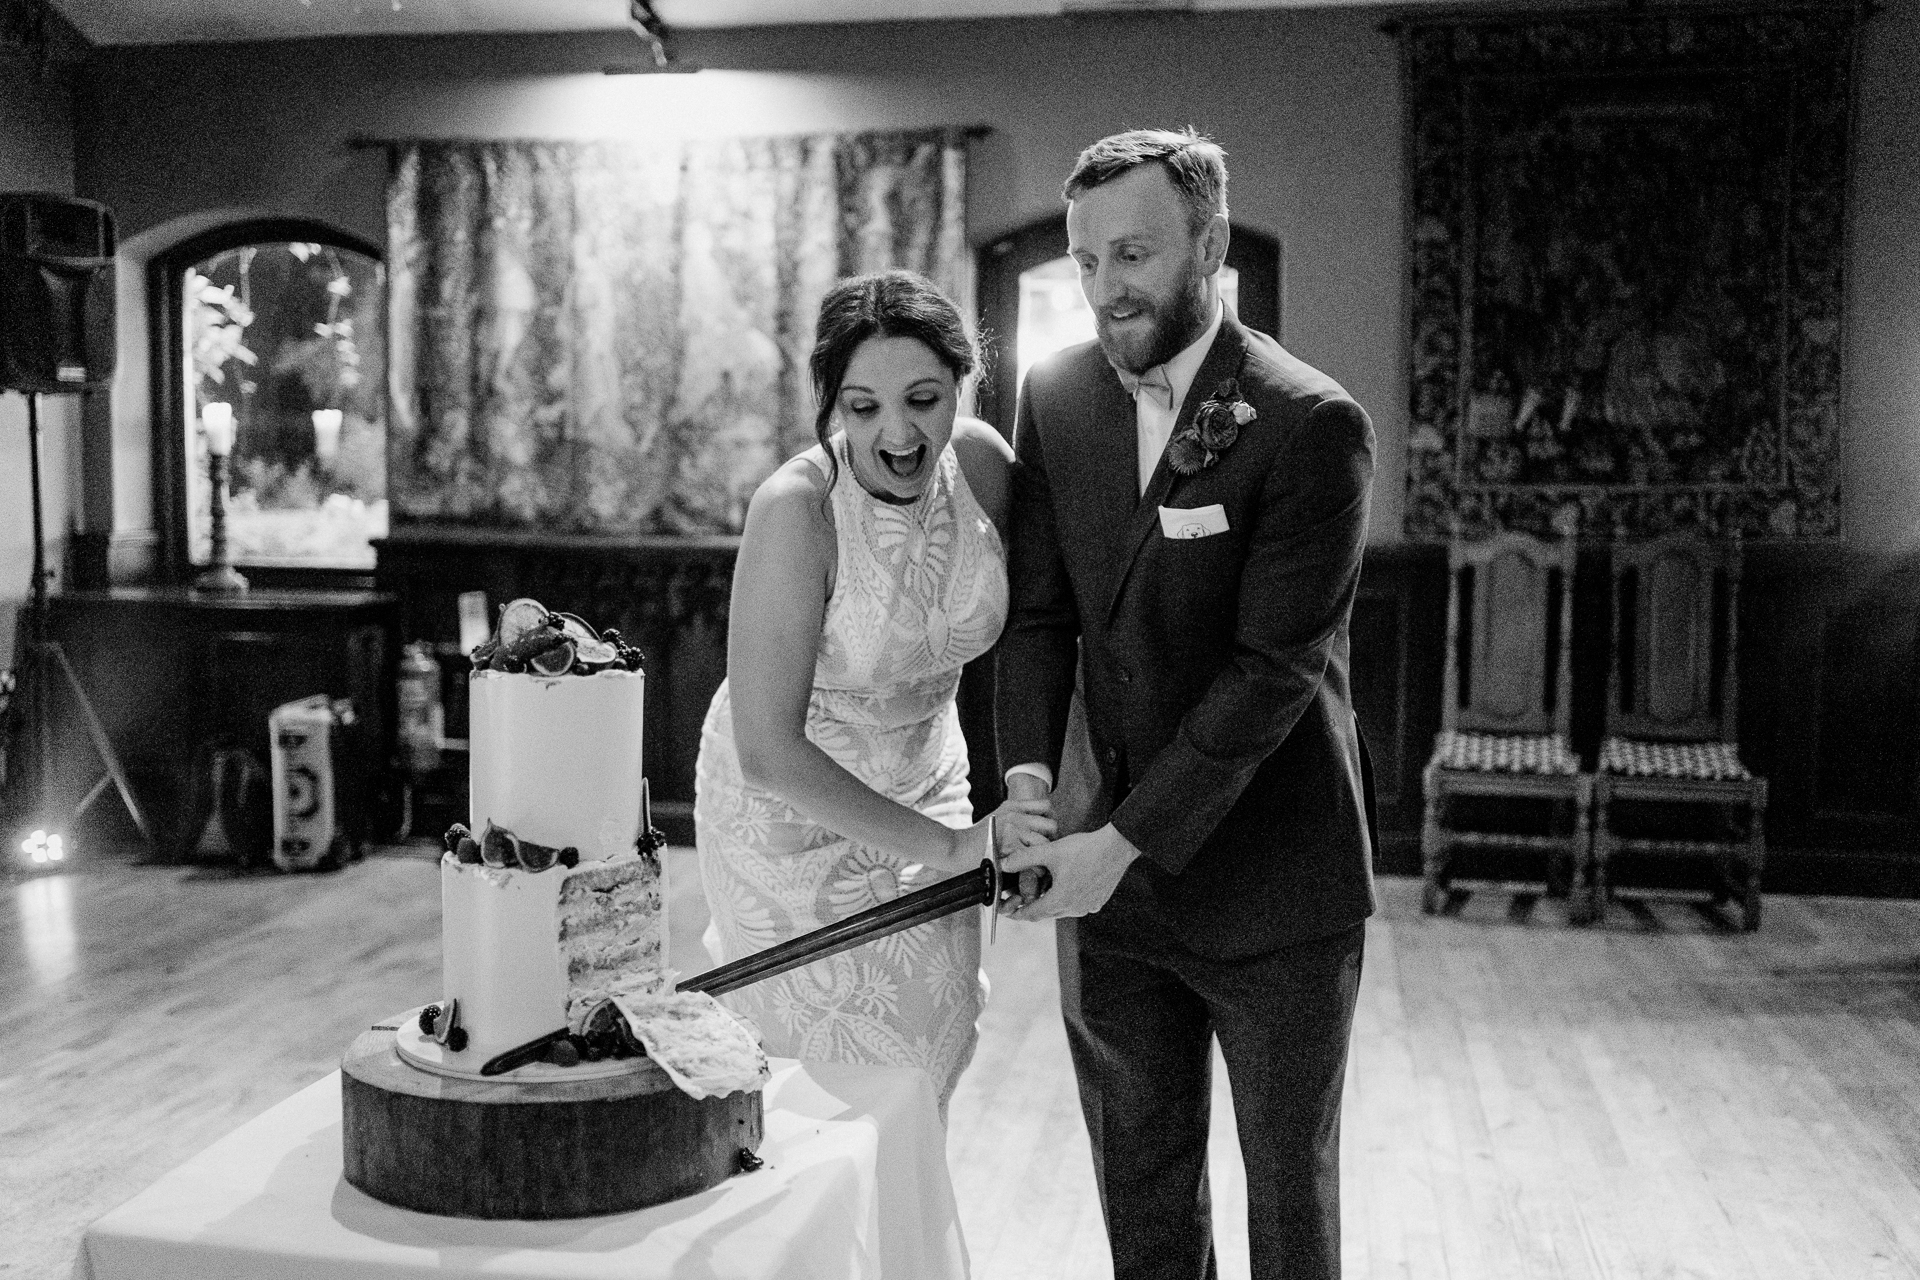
<point x="1154" y="384"/>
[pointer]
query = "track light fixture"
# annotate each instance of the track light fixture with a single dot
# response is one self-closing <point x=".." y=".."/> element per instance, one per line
<point x="646" y="24"/>
<point x="654" y="33"/>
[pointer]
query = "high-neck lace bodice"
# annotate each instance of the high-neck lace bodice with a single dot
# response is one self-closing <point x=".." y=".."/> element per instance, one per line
<point x="920" y="590"/>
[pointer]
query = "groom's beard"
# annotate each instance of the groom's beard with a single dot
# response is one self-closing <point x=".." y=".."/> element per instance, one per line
<point x="1173" y="323"/>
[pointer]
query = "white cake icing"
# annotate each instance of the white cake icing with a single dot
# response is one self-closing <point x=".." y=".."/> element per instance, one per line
<point x="555" y="761"/>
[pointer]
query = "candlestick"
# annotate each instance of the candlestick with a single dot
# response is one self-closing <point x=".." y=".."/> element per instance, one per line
<point x="216" y="420"/>
<point x="326" y="435"/>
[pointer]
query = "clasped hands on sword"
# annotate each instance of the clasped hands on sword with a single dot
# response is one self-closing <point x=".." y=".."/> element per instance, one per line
<point x="1083" y="869"/>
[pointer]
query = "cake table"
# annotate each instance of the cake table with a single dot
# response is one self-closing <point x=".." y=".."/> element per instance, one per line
<point x="855" y="1184"/>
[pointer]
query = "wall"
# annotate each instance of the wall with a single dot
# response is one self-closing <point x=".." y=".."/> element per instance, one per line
<point x="1305" y="103"/>
<point x="1881" y="461"/>
<point x="36" y="154"/>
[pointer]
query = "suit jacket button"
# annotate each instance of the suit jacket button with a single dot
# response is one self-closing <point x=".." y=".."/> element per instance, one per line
<point x="1126" y="676"/>
<point x="1113" y="755"/>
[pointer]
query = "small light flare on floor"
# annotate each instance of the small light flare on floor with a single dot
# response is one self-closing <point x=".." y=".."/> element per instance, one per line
<point x="43" y="848"/>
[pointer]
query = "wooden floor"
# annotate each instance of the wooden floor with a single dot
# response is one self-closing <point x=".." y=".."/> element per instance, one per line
<point x="1660" y="1097"/>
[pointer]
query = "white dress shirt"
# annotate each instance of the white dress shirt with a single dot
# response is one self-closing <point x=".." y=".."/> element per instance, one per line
<point x="1152" y="428"/>
<point x="1153" y="421"/>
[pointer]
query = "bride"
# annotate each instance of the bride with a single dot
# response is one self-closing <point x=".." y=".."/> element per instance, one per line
<point x="832" y="773"/>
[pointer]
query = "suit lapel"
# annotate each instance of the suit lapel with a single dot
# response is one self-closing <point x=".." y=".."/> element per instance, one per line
<point x="1112" y="476"/>
<point x="1222" y="362"/>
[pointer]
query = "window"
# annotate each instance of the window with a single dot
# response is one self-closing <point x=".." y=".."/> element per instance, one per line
<point x="1054" y="312"/>
<point x="277" y="328"/>
<point x="1031" y="304"/>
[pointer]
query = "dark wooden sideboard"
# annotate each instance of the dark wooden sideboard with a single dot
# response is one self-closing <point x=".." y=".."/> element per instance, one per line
<point x="178" y="676"/>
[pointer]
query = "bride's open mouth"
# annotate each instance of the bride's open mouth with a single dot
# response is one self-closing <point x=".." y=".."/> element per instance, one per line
<point x="904" y="464"/>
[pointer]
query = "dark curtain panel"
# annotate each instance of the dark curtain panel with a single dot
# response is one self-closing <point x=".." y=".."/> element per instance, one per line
<point x="607" y="337"/>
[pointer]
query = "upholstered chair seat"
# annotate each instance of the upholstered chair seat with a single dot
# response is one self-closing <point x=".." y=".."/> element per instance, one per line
<point x="1692" y="761"/>
<point x="1537" y="753"/>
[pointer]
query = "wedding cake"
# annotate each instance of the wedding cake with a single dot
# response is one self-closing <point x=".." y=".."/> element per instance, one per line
<point x="557" y="1002"/>
<point x="562" y="894"/>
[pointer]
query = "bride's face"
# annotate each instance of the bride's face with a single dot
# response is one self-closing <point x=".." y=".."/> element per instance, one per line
<point x="896" y="404"/>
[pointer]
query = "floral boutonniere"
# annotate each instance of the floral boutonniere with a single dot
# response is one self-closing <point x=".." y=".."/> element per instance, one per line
<point x="1215" y="426"/>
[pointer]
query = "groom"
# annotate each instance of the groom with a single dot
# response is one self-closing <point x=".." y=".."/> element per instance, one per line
<point x="1189" y="510"/>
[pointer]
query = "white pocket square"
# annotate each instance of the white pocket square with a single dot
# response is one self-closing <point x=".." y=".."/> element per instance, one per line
<point x="1193" y="522"/>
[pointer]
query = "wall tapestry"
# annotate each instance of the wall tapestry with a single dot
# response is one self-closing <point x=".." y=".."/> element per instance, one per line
<point x="604" y="337"/>
<point x="1626" y="237"/>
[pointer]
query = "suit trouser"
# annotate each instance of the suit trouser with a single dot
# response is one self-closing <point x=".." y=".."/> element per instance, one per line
<point x="1140" y="1015"/>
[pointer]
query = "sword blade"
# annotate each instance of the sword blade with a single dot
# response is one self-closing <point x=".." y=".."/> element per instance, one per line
<point x="976" y="888"/>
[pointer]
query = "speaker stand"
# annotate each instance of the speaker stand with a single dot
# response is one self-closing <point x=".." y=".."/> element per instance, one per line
<point x="42" y="656"/>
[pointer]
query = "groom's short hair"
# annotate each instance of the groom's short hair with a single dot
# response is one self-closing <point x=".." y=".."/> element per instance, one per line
<point x="1195" y="163"/>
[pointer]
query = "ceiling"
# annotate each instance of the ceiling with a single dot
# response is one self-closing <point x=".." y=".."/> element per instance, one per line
<point x="116" y="22"/>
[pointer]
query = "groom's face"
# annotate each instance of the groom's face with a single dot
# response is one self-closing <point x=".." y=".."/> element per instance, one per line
<point x="1145" y="273"/>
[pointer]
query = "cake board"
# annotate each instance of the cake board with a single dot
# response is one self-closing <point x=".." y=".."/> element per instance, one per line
<point x="532" y="1148"/>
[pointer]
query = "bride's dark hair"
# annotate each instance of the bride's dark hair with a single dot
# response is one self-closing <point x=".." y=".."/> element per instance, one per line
<point x="887" y="304"/>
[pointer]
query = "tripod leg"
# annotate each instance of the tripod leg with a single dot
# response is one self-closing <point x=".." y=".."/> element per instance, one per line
<point x="102" y="743"/>
<point x="94" y="792"/>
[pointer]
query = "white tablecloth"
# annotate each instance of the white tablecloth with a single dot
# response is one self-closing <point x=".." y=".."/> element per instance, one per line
<point x="855" y="1185"/>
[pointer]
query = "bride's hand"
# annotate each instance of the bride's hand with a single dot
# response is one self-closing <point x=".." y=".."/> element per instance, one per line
<point x="1017" y="824"/>
<point x="1020" y="824"/>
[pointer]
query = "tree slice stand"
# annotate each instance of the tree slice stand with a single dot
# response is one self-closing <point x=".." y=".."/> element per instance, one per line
<point x="510" y="1148"/>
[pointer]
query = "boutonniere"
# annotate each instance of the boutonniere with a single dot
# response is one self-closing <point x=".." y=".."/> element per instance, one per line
<point x="1211" y="432"/>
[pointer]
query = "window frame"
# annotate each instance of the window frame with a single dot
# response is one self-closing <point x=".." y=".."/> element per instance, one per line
<point x="166" y="277"/>
<point x="1257" y="256"/>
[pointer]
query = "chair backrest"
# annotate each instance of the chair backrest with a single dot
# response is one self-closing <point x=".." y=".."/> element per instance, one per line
<point x="1673" y="670"/>
<point x="1509" y="635"/>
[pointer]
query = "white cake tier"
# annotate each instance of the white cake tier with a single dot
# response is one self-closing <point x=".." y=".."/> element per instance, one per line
<point x="500" y="955"/>
<point x="555" y="761"/>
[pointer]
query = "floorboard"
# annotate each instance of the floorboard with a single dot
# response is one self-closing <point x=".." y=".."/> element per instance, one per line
<point x="1660" y="1097"/>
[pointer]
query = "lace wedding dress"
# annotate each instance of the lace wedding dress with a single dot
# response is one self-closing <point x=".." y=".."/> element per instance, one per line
<point x="920" y="589"/>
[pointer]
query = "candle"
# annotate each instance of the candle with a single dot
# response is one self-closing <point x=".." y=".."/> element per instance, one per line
<point x="326" y="434"/>
<point x="216" y="420"/>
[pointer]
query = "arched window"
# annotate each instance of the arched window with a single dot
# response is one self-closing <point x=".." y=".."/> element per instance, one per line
<point x="1031" y="304"/>
<point x="281" y="322"/>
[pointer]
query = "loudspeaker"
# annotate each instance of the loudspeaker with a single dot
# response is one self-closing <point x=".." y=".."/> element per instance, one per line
<point x="56" y="293"/>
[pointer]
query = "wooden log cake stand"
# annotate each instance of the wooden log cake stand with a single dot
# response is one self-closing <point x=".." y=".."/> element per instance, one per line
<point x="551" y="1149"/>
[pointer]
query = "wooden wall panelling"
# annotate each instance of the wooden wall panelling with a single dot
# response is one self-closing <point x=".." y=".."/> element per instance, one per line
<point x="1828" y="650"/>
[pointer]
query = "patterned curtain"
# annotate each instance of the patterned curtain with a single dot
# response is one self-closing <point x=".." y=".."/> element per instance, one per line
<point x="604" y="337"/>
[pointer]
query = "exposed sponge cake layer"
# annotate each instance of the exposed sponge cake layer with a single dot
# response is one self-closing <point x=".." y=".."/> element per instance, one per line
<point x="613" y="922"/>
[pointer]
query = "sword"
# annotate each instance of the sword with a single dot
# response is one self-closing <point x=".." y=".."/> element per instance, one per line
<point x="984" y="886"/>
<point x="981" y="887"/>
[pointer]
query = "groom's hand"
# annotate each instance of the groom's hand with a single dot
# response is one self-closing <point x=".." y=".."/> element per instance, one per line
<point x="1085" y="870"/>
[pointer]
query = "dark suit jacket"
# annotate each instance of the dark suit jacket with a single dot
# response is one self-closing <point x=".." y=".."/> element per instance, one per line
<point x="1216" y="667"/>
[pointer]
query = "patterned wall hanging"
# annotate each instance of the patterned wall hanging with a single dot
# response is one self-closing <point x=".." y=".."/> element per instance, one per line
<point x="1625" y="242"/>
<point x="604" y="337"/>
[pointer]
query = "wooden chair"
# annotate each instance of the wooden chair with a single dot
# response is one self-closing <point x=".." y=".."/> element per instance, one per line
<point x="1673" y="712"/>
<point x="1507" y="708"/>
